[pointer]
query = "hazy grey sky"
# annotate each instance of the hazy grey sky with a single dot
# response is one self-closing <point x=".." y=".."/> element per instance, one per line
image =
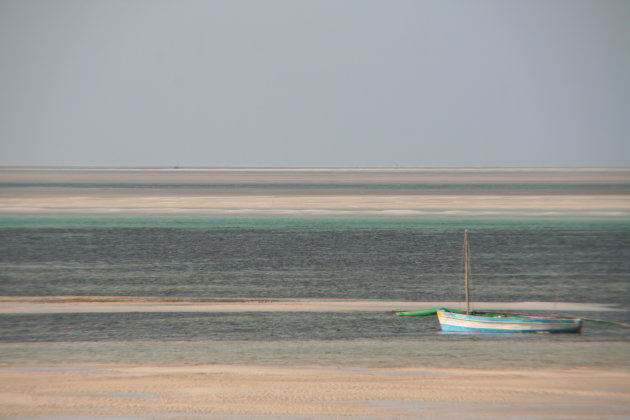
<point x="315" y="82"/>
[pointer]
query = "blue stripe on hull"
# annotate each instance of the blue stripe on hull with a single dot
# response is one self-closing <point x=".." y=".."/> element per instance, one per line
<point x="456" y="328"/>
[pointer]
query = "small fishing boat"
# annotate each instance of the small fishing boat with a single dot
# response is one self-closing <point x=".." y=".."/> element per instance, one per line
<point x="485" y="322"/>
<point x="505" y="323"/>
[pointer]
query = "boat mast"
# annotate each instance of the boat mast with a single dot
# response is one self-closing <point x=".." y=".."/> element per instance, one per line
<point x="466" y="271"/>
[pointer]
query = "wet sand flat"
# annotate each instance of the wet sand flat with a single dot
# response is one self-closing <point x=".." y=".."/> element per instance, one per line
<point x="250" y="391"/>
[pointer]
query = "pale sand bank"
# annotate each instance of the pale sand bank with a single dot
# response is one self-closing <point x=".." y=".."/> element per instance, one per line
<point x="99" y="202"/>
<point x="273" y="392"/>
<point x="331" y="191"/>
<point x="83" y="304"/>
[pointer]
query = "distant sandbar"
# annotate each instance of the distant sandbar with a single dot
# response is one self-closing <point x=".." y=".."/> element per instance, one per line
<point x="82" y="304"/>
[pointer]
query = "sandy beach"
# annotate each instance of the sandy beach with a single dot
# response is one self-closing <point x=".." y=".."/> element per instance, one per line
<point x="384" y="380"/>
<point x="249" y="391"/>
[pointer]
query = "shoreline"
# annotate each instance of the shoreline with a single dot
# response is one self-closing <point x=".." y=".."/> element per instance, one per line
<point x="433" y="350"/>
<point x="146" y="391"/>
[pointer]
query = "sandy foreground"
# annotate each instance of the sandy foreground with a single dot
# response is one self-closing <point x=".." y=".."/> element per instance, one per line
<point x="270" y="392"/>
<point x="376" y="390"/>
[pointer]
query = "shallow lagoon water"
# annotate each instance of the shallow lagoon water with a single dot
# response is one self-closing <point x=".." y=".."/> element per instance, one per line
<point x="309" y="258"/>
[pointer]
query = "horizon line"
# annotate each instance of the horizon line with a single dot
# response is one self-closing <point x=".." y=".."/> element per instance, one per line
<point x="303" y="167"/>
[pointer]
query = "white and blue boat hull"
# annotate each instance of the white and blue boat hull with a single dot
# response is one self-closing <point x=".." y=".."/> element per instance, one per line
<point x="455" y="322"/>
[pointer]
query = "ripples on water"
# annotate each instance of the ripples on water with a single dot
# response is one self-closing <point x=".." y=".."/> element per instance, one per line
<point x="268" y="326"/>
<point x="580" y="263"/>
<point x="397" y="258"/>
